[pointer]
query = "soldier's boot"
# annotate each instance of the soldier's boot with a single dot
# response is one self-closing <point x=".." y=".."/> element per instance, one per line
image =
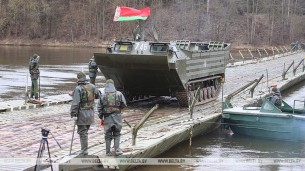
<point x="118" y="151"/>
<point x="32" y="95"/>
<point x="108" y="144"/>
<point x="84" y="144"/>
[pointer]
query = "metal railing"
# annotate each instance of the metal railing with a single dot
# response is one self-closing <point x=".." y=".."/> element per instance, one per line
<point x="248" y="54"/>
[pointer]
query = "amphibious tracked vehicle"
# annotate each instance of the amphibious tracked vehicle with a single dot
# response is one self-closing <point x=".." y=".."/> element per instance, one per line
<point x="176" y="68"/>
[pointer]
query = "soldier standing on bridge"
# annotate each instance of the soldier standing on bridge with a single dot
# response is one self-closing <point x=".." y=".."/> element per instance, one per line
<point x="92" y="70"/>
<point x="82" y="109"/>
<point x="109" y="108"/>
<point x="34" y="71"/>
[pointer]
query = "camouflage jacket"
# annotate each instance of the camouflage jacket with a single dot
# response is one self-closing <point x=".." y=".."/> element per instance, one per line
<point x="92" y="68"/>
<point x="34" y="68"/>
<point x="110" y="101"/>
<point x="83" y="102"/>
<point x="276" y="100"/>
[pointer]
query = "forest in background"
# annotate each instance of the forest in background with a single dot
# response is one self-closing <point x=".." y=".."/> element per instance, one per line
<point x="242" y="22"/>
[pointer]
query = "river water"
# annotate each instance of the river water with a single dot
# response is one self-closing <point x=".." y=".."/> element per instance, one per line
<point x="239" y="153"/>
<point x="228" y="152"/>
<point x="58" y="68"/>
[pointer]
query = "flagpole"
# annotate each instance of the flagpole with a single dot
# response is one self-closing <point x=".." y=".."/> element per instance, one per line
<point x="120" y="30"/>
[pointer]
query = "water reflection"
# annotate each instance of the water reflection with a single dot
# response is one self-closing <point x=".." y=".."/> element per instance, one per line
<point x="232" y="152"/>
<point x="19" y="55"/>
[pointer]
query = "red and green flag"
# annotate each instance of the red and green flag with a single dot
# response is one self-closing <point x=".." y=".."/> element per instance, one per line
<point x="127" y="14"/>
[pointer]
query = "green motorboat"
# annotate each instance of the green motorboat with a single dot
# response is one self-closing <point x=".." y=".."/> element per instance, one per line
<point x="267" y="121"/>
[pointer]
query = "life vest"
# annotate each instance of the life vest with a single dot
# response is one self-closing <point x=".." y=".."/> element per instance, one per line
<point x="34" y="66"/>
<point x="92" y="66"/>
<point x="34" y="71"/>
<point x="87" y="96"/>
<point x="276" y="100"/>
<point x="111" y="102"/>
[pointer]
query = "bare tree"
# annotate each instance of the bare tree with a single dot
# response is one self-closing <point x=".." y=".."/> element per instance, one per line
<point x="245" y="22"/>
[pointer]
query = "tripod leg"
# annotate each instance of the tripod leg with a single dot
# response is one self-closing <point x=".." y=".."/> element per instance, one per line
<point x="49" y="155"/>
<point x="39" y="155"/>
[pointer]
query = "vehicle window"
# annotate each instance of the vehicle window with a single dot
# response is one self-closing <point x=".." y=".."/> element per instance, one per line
<point x="122" y="48"/>
<point x="203" y="47"/>
<point x="159" y="48"/>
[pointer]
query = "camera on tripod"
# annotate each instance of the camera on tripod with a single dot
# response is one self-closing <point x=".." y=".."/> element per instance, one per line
<point x="45" y="132"/>
<point x="44" y="142"/>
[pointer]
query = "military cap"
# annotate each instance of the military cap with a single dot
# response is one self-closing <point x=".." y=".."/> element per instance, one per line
<point x="35" y="55"/>
<point x="81" y="75"/>
<point x="109" y="81"/>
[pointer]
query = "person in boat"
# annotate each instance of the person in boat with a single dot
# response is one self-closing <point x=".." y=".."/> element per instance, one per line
<point x="109" y="109"/>
<point x="82" y="109"/>
<point x="34" y="71"/>
<point x="92" y="70"/>
<point x="276" y="97"/>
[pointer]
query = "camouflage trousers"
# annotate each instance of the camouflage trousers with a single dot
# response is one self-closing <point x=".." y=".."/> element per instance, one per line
<point x="34" y="89"/>
<point x="112" y="129"/>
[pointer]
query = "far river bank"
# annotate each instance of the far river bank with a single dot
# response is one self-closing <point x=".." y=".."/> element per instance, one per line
<point x="98" y="43"/>
<point x="55" y="43"/>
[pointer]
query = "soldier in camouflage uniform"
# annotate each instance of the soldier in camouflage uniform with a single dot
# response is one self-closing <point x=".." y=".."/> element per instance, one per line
<point x="34" y="71"/>
<point x="109" y="108"/>
<point x="92" y="70"/>
<point x="82" y="109"/>
<point x="276" y="97"/>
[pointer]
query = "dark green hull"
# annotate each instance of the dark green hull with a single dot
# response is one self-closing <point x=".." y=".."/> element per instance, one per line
<point x="272" y="124"/>
<point x="140" y="74"/>
<point x="270" y="127"/>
